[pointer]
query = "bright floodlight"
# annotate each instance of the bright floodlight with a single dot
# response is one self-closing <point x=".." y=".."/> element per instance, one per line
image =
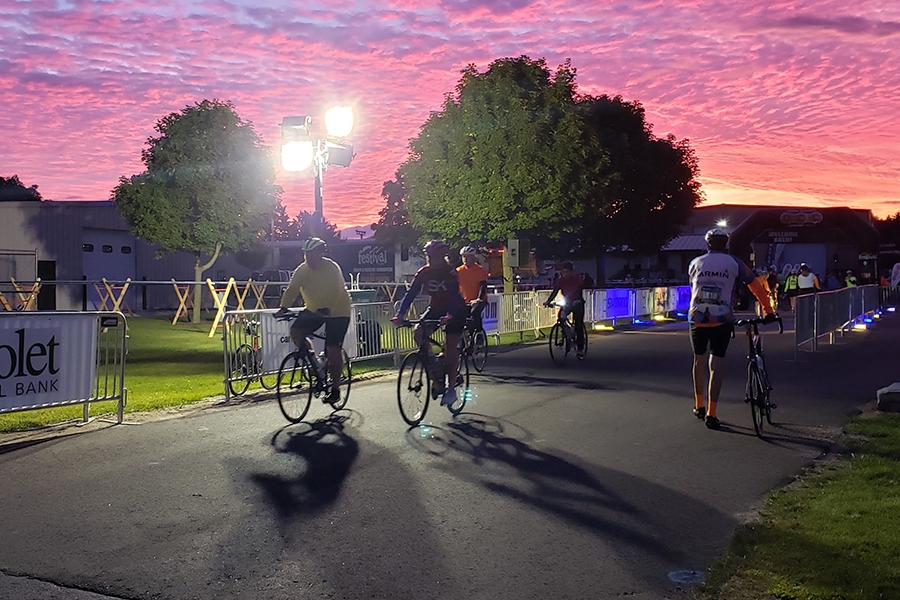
<point x="339" y="121"/>
<point x="722" y="223"/>
<point x="297" y="156"/>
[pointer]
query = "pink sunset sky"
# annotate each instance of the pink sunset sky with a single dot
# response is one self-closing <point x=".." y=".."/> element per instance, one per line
<point x="788" y="103"/>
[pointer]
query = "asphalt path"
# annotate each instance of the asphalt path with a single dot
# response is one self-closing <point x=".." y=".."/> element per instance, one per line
<point x="589" y="481"/>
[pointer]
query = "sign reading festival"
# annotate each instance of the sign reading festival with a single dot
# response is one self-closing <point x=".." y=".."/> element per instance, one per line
<point x="47" y="359"/>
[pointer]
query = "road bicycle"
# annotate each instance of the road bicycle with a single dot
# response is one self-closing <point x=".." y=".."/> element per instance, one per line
<point x="758" y="386"/>
<point x="562" y="334"/>
<point x="303" y="376"/>
<point x="246" y="363"/>
<point x="415" y="384"/>
<point x="473" y="345"/>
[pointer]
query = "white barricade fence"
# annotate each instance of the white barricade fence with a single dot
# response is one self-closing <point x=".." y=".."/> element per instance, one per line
<point x="490" y="317"/>
<point x="832" y="312"/>
<point x="51" y="359"/>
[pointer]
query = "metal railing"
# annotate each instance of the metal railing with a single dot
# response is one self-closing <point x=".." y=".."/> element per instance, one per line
<point x="831" y="313"/>
<point x="52" y="359"/>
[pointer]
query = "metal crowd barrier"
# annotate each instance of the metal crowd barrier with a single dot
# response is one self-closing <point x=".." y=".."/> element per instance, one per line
<point x="831" y="313"/>
<point x="52" y="359"/>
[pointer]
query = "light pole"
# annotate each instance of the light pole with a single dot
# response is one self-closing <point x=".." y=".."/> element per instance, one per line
<point x="300" y="150"/>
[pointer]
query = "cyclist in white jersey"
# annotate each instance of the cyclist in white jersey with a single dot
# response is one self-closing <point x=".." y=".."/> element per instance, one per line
<point x="713" y="277"/>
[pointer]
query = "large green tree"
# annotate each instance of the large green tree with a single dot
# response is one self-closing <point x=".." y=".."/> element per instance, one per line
<point x="649" y="184"/>
<point x="208" y="186"/>
<point x="498" y="159"/>
<point x="393" y="226"/>
<point x="13" y="190"/>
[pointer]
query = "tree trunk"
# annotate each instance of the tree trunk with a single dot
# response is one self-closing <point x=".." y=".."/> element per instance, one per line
<point x="198" y="287"/>
<point x="508" y="284"/>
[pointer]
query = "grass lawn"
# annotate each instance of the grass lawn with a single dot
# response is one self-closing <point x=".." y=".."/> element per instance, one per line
<point x="835" y="535"/>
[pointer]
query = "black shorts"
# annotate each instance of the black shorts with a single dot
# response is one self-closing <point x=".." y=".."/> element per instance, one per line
<point x="308" y="322"/>
<point x="456" y="323"/>
<point x="717" y="338"/>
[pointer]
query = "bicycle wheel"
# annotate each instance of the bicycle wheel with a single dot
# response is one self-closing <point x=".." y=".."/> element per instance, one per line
<point x="294" y="389"/>
<point x="764" y="377"/>
<point x="462" y="387"/>
<point x="479" y="349"/>
<point x="413" y="389"/>
<point x="241" y="370"/>
<point x="757" y="396"/>
<point x="584" y="333"/>
<point x="346" y="380"/>
<point x="268" y="380"/>
<point x="559" y="345"/>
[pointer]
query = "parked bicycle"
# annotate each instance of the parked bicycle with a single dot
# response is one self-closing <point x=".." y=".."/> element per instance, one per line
<point x="473" y="345"/>
<point x="562" y="334"/>
<point x="303" y="376"/>
<point x="758" y="386"/>
<point x="419" y="372"/>
<point x="246" y="361"/>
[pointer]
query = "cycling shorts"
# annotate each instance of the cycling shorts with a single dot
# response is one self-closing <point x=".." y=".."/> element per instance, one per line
<point x="455" y="324"/>
<point x="308" y="322"/>
<point x="717" y="338"/>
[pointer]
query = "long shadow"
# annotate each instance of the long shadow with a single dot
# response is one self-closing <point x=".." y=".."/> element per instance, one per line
<point x="554" y="484"/>
<point x="545" y="381"/>
<point x="328" y="452"/>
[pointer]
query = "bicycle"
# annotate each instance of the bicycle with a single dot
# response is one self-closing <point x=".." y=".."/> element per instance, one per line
<point x="303" y="376"/>
<point x="415" y="385"/>
<point x="473" y="345"/>
<point x="758" y="386"/>
<point x="562" y="334"/>
<point x="246" y="362"/>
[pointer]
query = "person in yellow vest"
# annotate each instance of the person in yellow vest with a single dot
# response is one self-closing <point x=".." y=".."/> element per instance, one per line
<point x="850" y="279"/>
<point x="791" y="287"/>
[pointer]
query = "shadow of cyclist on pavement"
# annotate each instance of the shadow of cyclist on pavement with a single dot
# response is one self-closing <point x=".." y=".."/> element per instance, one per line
<point x="326" y="454"/>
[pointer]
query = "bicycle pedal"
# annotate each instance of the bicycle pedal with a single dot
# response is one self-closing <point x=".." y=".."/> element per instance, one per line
<point x="772" y="405"/>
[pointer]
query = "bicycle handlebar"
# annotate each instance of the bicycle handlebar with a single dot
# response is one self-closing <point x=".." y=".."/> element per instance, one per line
<point x="759" y="321"/>
<point x="411" y="322"/>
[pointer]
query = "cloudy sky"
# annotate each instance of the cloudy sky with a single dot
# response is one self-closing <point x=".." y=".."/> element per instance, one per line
<point x="785" y="102"/>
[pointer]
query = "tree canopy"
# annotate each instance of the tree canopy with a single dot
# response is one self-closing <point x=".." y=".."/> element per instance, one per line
<point x="516" y="151"/>
<point x="208" y="183"/>
<point x="393" y="226"/>
<point x="285" y="227"/>
<point x="12" y="190"/>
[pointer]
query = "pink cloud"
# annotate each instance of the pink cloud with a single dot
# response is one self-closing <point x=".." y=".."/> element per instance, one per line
<point x="774" y="108"/>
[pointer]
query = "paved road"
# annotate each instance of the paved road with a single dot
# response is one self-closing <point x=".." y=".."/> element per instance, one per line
<point x="590" y="481"/>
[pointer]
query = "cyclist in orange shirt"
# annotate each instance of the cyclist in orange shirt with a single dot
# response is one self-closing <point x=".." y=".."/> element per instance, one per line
<point x="472" y="284"/>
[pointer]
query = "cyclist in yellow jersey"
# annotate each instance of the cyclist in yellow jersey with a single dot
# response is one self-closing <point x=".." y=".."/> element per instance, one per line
<point x="321" y="283"/>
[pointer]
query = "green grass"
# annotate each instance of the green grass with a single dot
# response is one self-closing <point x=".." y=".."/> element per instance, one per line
<point x="167" y="367"/>
<point x="834" y="536"/>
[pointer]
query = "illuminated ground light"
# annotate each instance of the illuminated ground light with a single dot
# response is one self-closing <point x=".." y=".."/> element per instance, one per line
<point x="868" y="320"/>
<point x="602" y="327"/>
<point x="642" y="322"/>
<point x="860" y="326"/>
<point x="681" y="315"/>
<point x="658" y="318"/>
<point x="891" y="308"/>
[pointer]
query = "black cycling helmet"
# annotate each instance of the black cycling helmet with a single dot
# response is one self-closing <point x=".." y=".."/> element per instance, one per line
<point x="437" y="248"/>
<point x="716" y="239"/>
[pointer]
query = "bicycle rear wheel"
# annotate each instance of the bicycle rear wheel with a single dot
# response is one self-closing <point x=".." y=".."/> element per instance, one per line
<point x="294" y="389"/>
<point x="413" y="389"/>
<point x="241" y="370"/>
<point x="584" y="333"/>
<point x="346" y="380"/>
<point x="757" y="396"/>
<point x="479" y="350"/>
<point x="268" y="380"/>
<point x="559" y="345"/>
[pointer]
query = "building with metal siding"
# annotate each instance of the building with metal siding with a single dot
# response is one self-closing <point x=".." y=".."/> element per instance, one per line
<point x="76" y="240"/>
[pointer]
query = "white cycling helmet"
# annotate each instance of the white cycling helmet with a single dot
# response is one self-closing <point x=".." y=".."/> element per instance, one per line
<point x="717" y="238"/>
<point x="313" y="243"/>
<point x="470" y="250"/>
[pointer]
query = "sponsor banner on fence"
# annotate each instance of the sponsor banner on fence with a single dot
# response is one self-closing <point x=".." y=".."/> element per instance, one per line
<point x="46" y="359"/>
<point x="615" y="303"/>
<point x="490" y="317"/>
<point x="275" y="340"/>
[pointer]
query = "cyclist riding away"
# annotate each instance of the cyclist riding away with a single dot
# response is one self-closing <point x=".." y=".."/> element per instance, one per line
<point x="321" y="283"/>
<point x="713" y="277"/>
<point x="472" y="284"/>
<point x="438" y="279"/>
<point x="571" y="285"/>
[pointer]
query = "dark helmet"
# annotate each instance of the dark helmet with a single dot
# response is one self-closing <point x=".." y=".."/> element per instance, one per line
<point x="717" y="239"/>
<point x="568" y="266"/>
<point x="437" y="248"/>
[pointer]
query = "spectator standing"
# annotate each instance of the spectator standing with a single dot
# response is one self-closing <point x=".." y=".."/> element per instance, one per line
<point x="791" y="287"/>
<point x="850" y="279"/>
<point x="807" y="281"/>
<point x="833" y="282"/>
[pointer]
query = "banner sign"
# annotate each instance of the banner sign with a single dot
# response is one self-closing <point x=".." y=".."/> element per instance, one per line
<point x="47" y="359"/>
<point x="617" y="305"/>
<point x="275" y="340"/>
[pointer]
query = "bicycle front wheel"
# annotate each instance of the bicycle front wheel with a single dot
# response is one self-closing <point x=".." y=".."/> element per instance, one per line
<point x="462" y="387"/>
<point x="241" y="370"/>
<point x="294" y="383"/>
<point x="584" y="333"/>
<point x="346" y="380"/>
<point x="268" y="380"/>
<point x="413" y="389"/>
<point x="559" y="345"/>
<point x="757" y="396"/>
<point x="479" y="350"/>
